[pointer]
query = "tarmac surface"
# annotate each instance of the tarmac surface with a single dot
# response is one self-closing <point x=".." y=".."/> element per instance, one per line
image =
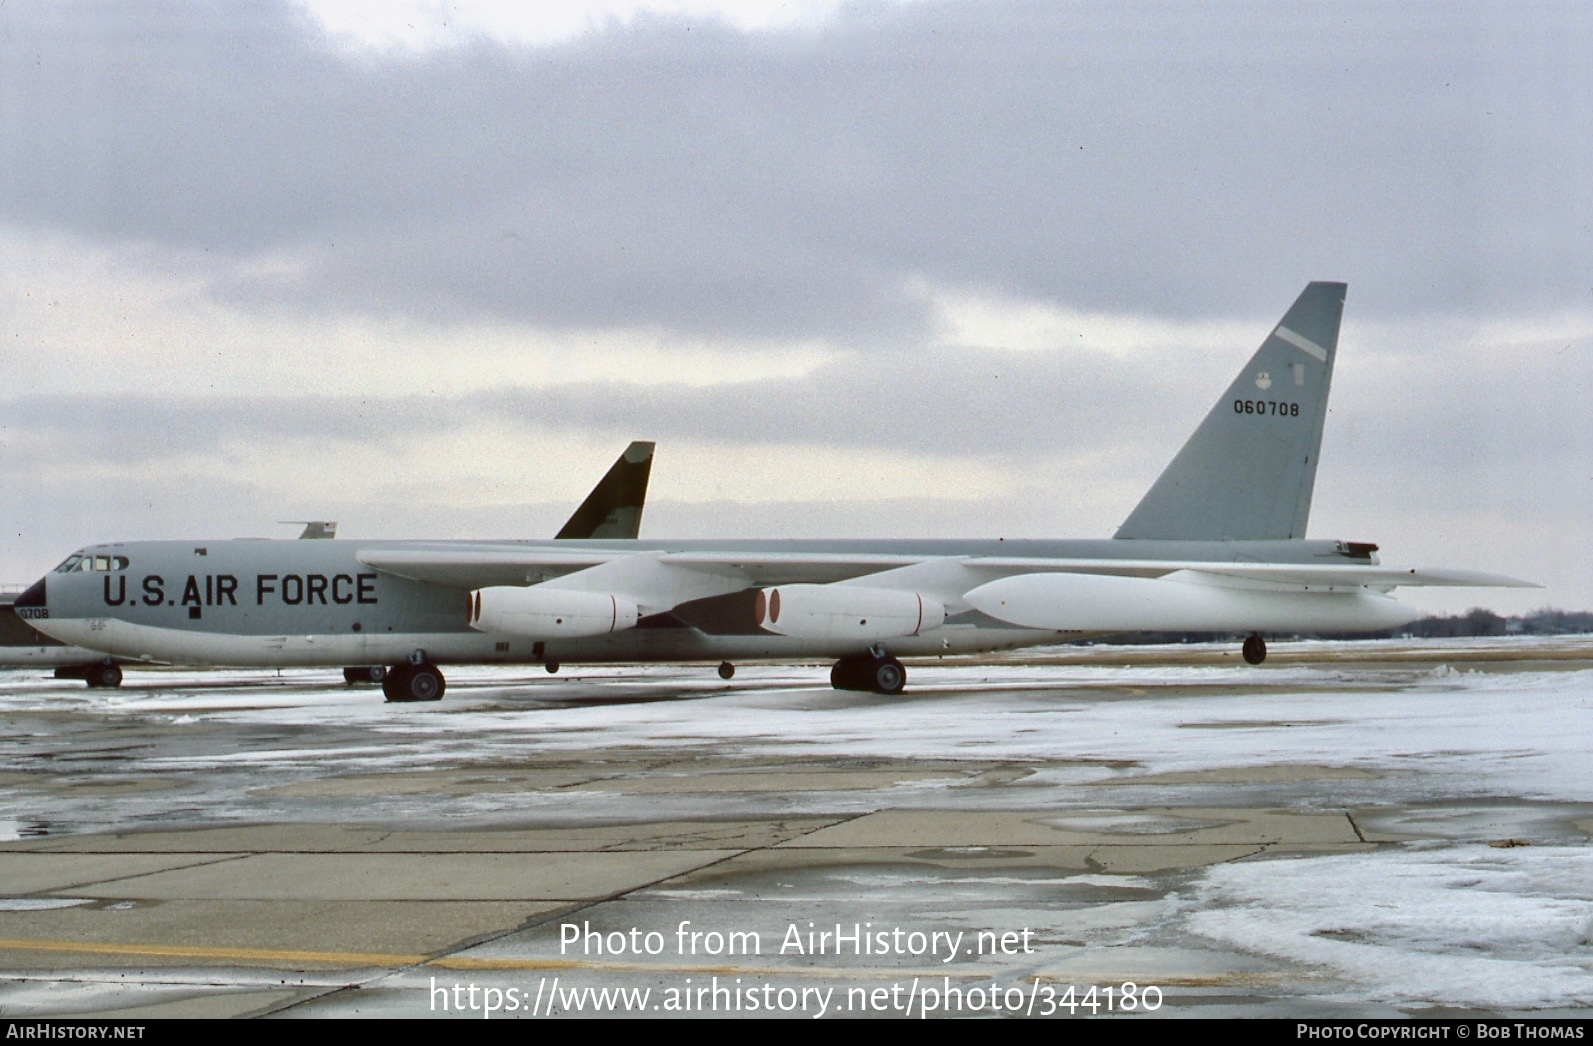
<point x="1376" y="830"/>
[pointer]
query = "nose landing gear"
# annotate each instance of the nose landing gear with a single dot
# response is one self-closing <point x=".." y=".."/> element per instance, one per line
<point x="1255" y="648"/>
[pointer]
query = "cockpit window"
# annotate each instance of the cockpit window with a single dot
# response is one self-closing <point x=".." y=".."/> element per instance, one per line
<point x="78" y="561"/>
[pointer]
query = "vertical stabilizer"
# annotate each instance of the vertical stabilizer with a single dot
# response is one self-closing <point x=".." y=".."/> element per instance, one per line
<point x="614" y="508"/>
<point x="1248" y="471"/>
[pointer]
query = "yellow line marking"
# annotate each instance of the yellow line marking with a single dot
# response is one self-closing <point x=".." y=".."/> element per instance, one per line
<point x="280" y="955"/>
<point x="855" y="972"/>
<point x="177" y="951"/>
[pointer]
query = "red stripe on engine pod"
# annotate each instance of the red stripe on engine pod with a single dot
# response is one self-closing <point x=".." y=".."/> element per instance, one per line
<point x="760" y="605"/>
<point x="774" y="606"/>
<point x="614" y="621"/>
<point x="920" y="624"/>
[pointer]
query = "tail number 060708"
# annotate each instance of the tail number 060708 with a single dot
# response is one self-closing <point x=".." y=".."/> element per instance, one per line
<point x="1274" y="407"/>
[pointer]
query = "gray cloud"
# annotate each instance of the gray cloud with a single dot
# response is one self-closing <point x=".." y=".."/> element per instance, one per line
<point x="1430" y="434"/>
<point x="942" y="402"/>
<point x="684" y="176"/>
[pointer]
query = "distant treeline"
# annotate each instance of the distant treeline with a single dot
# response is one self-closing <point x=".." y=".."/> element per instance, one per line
<point x="1480" y="622"/>
<point x="1477" y="621"/>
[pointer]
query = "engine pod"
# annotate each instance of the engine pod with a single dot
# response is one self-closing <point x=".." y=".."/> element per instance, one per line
<point x="539" y="613"/>
<point x="845" y="612"/>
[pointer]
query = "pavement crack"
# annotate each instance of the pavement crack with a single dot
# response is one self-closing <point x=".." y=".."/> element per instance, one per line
<point x="548" y="918"/>
<point x="89" y="884"/>
<point x="336" y="989"/>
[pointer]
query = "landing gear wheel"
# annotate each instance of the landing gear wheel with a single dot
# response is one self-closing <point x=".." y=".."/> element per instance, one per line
<point x="886" y="675"/>
<point x="364" y="674"/>
<point x="414" y="683"/>
<point x="880" y="675"/>
<point x="847" y="674"/>
<point x="552" y="667"/>
<point x="393" y="683"/>
<point x="726" y="670"/>
<point x="106" y="677"/>
<point x="426" y="684"/>
<point x="1255" y="648"/>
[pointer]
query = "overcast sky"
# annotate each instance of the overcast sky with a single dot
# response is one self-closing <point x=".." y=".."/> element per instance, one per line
<point x="932" y="268"/>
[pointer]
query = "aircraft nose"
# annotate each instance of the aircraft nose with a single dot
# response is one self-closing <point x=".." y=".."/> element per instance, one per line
<point x="32" y="597"/>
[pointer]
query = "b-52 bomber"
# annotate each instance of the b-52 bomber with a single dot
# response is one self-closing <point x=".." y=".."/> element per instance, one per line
<point x="1217" y="544"/>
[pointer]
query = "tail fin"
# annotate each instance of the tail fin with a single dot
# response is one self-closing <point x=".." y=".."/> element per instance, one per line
<point x="614" y="508"/>
<point x="1248" y="471"/>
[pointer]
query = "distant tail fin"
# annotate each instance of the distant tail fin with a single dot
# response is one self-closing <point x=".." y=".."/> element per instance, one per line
<point x="1248" y="471"/>
<point x="614" y="508"/>
<point x="314" y="529"/>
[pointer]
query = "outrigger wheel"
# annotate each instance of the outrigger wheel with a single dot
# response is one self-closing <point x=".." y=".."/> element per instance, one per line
<point x="1255" y="648"/>
<point x="407" y="682"/>
<point x="878" y="674"/>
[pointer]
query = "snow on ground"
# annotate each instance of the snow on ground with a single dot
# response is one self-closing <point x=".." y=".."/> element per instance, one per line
<point x="1458" y="755"/>
<point x="1460" y="926"/>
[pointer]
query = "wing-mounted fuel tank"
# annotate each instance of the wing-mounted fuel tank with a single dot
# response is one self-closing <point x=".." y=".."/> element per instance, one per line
<point x="541" y="613"/>
<point x="845" y="612"/>
<point x="1183" y="601"/>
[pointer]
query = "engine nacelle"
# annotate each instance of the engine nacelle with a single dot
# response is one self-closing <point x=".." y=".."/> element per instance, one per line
<point x="848" y="612"/>
<point x="1184" y="601"/>
<point x="542" y="613"/>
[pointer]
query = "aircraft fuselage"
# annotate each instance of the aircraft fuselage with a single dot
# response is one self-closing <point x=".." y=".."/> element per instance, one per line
<point x="285" y="603"/>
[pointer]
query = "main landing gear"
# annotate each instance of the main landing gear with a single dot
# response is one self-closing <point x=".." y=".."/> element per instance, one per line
<point x="875" y="671"/>
<point x="106" y="675"/>
<point x="1255" y="648"/>
<point x="364" y="674"/>
<point x="414" y="681"/>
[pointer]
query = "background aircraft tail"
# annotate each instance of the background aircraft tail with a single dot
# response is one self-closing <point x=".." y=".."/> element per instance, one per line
<point x="614" y="508"/>
<point x="1248" y="471"/>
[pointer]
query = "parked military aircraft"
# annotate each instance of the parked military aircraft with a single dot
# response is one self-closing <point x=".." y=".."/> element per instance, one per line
<point x="612" y="510"/>
<point x="1217" y="544"/>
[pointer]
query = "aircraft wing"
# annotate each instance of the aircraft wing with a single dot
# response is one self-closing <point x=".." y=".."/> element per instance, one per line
<point x="483" y="566"/>
<point x="479" y="567"/>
